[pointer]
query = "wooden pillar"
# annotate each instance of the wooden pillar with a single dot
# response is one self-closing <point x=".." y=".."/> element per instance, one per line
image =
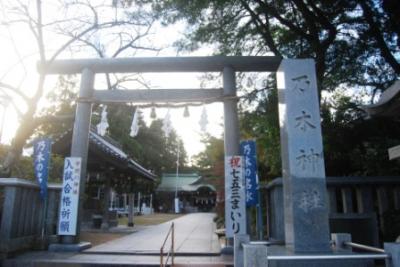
<point x="332" y="200"/>
<point x="125" y="201"/>
<point x="138" y="203"/>
<point x="131" y="209"/>
<point x="364" y="199"/>
<point x="347" y="200"/>
<point x="106" y="202"/>
<point x="52" y="209"/>
<point x="383" y="205"/>
<point x="24" y="211"/>
<point x="10" y="214"/>
<point x="396" y="197"/>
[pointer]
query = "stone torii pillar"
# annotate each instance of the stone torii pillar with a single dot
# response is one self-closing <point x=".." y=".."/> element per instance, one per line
<point x="231" y="130"/>
<point x="305" y="194"/>
<point x="231" y="121"/>
<point x="80" y="141"/>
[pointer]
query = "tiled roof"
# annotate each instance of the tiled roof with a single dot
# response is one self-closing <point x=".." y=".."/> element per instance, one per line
<point x="388" y="104"/>
<point x="110" y="147"/>
<point x="185" y="182"/>
<point x="106" y="146"/>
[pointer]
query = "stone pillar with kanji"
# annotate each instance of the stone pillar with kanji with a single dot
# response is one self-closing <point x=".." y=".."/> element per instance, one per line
<point x="305" y="193"/>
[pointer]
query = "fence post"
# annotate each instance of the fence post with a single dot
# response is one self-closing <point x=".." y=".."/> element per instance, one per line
<point x="239" y="240"/>
<point x="393" y="249"/>
<point x="339" y="239"/>
<point x="255" y="255"/>
<point x="161" y="257"/>
<point x="173" y="244"/>
<point x="10" y="212"/>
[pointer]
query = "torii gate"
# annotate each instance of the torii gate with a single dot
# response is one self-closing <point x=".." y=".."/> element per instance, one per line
<point x="305" y="197"/>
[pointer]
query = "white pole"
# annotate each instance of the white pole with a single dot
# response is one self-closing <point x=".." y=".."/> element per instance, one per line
<point x="176" y="182"/>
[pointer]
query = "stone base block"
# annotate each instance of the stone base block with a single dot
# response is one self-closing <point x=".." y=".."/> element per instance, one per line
<point x="238" y="242"/>
<point x="70" y="247"/>
<point x="306" y="216"/>
<point x="283" y="251"/>
<point x="227" y="250"/>
<point x="254" y="255"/>
<point x="53" y="239"/>
<point x="324" y="263"/>
<point x="393" y="249"/>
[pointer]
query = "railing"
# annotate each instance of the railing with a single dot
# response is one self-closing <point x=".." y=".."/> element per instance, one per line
<point x="382" y="252"/>
<point x="378" y="254"/>
<point x="360" y="200"/>
<point x="364" y="247"/>
<point x="170" y="253"/>
<point x="329" y="257"/>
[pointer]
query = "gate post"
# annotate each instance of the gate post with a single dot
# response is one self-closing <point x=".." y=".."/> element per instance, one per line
<point x="231" y="128"/>
<point x="80" y="141"/>
<point x="305" y="193"/>
<point x="231" y="121"/>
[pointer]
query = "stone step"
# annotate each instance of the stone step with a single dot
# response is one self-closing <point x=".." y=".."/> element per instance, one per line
<point x="38" y="259"/>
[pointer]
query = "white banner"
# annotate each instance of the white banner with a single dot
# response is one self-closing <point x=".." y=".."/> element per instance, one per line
<point x="69" y="201"/>
<point x="235" y="198"/>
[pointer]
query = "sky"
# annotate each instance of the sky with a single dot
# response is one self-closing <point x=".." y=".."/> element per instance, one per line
<point x="18" y="45"/>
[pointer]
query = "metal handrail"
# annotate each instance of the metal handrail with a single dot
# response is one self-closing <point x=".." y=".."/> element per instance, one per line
<point x="379" y="253"/>
<point x="328" y="257"/>
<point x="267" y="243"/>
<point x="170" y="253"/>
<point x="364" y="247"/>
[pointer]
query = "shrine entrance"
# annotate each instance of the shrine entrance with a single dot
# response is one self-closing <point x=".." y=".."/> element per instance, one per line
<point x="302" y="155"/>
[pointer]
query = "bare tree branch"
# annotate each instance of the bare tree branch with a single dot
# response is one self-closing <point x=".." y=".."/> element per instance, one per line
<point x="377" y="35"/>
<point x="14" y="90"/>
<point x="263" y="27"/>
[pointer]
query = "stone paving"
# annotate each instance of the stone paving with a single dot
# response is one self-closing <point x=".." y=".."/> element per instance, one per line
<point x="194" y="233"/>
<point x="51" y="259"/>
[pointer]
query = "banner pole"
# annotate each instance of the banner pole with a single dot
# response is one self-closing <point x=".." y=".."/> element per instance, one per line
<point x="260" y="229"/>
<point x="44" y="219"/>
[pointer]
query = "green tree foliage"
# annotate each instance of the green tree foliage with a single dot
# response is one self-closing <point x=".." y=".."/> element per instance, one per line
<point x="262" y="124"/>
<point x="213" y="154"/>
<point x="354" y="145"/>
<point x="353" y="42"/>
<point x="59" y="115"/>
<point x="24" y="167"/>
<point x="150" y="147"/>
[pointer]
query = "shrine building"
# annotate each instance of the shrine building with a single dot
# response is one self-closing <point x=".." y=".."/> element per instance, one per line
<point x="111" y="176"/>
<point x="194" y="193"/>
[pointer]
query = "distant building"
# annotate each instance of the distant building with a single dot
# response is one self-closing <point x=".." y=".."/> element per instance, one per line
<point x="195" y="195"/>
<point x="111" y="176"/>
